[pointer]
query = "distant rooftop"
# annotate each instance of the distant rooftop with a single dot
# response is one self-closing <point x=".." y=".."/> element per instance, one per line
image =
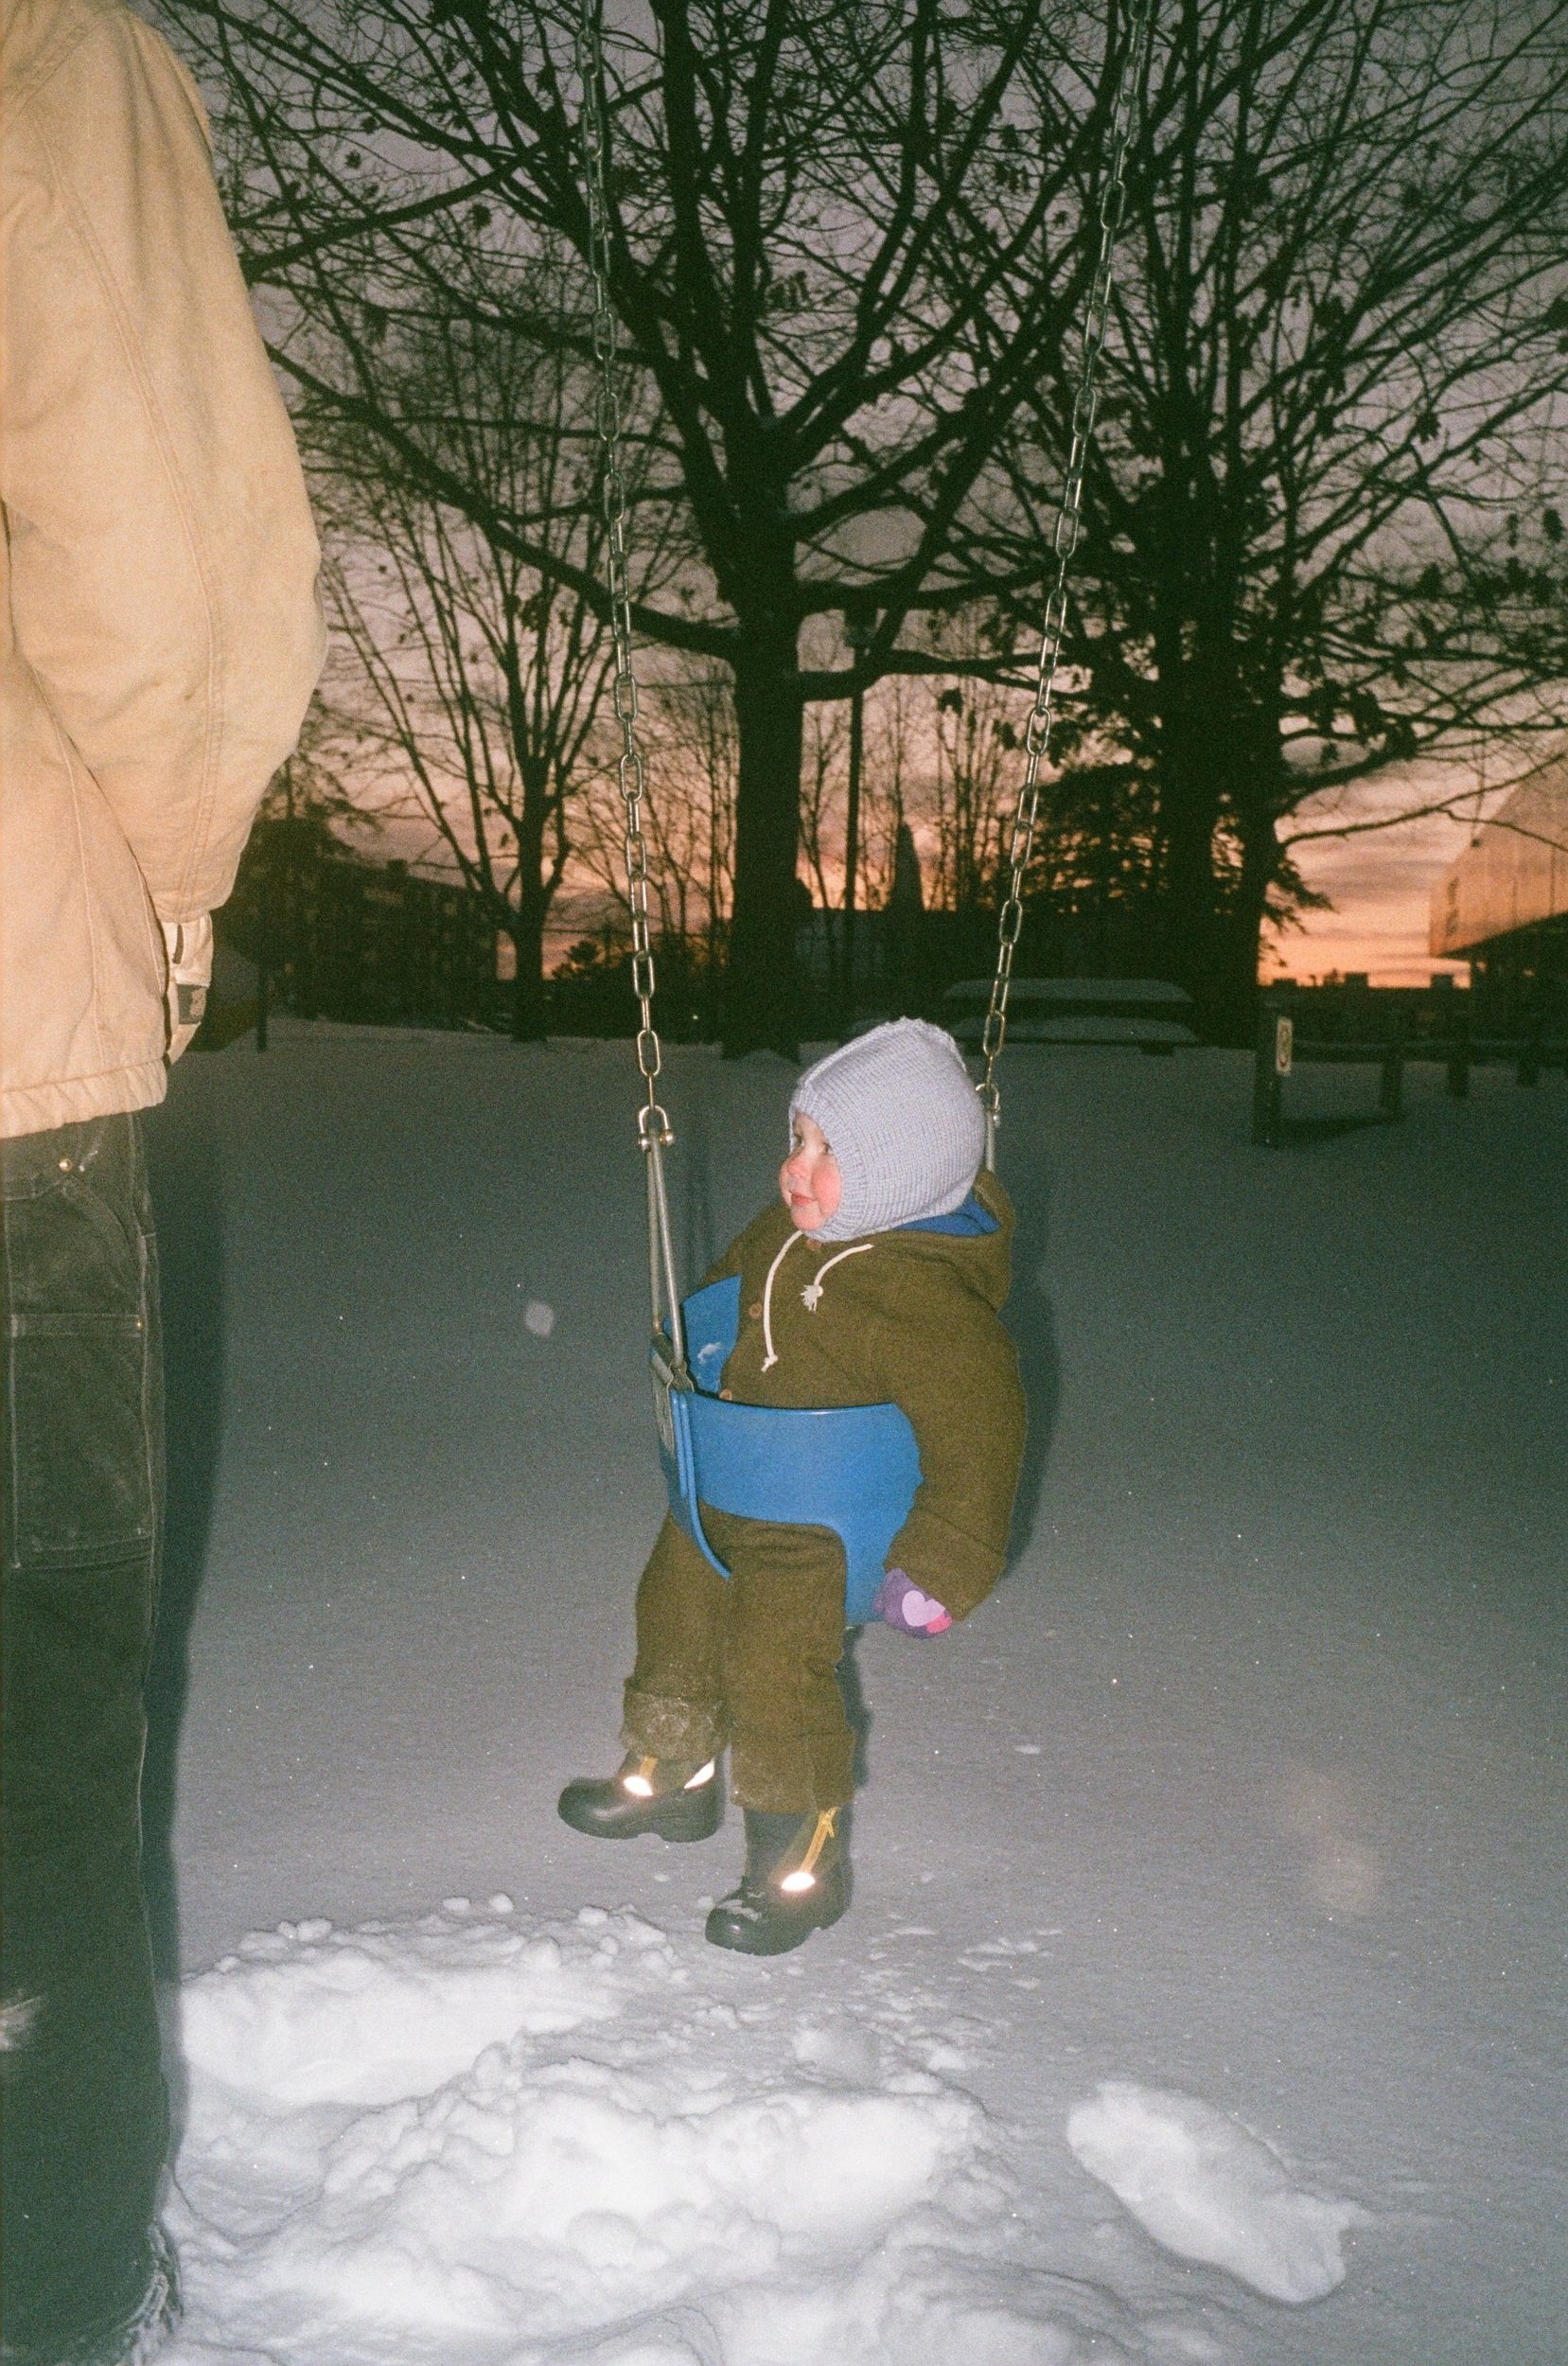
<point x="1514" y="874"/>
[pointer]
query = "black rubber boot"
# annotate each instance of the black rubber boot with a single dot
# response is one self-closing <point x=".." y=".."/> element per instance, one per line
<point x="797" y="1880"/>
<point x="672" y="1801"/>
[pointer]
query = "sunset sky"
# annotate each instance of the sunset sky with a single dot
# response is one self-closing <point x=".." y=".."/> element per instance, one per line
<point x="1381" y="888"/>
<point x="1380" y="881"/>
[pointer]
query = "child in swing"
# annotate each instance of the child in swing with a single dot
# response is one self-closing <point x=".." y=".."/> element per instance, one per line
<point x="879" y="1279"/>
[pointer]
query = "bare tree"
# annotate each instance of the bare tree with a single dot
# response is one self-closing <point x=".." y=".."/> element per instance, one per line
<point x="1326" y="517"/>
<point x="895" y="710"/>
<point x="472" y="677"/>
<point x="977" y="736"/>
<point x="689" y="820"/>
<point x="833" y="255"/>
<point x="697" y="744"/>
<point x="823" y="838"/>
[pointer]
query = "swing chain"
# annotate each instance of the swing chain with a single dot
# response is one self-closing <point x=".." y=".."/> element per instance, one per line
<point x="654" y="1130"/>
<point x="1064" y="542"/>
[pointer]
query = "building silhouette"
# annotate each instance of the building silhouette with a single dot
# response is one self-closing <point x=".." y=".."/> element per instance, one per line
<point x="336" y="936"/>
<point x="1503" y="906"/>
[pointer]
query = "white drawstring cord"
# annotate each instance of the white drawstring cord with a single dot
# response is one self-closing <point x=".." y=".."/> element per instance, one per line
<point x="811" y="1295"/>
<point x="770" y="1353"/>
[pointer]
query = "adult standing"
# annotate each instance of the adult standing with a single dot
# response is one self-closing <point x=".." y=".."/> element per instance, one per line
<point x="160" y="636"/>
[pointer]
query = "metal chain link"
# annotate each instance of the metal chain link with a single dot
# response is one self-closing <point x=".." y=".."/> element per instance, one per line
<point x="1064" y="542"/>
<point x="654" y="1130"/>
<point x="653" y="1126"/>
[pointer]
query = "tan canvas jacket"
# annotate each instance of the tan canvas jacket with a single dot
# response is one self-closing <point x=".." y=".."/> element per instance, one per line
<point x="160" y="632"/>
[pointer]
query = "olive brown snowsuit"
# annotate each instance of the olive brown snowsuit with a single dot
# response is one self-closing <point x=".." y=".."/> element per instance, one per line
<point x="908" y="1317"/>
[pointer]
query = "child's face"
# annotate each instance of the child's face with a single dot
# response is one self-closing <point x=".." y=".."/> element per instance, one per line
<point x="809" y="1177"/>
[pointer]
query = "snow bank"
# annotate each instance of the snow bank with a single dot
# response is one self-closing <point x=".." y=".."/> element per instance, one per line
<point x="478" y="2140"/>
<point x="1208" y="2190"/>
<point x="1250" y="1768"/>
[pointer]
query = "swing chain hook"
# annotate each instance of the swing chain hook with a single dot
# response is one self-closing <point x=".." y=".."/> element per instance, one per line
<point x="631" y="773"/>
<point x="1064" y="537"/>
<point x="655" y="1134"/>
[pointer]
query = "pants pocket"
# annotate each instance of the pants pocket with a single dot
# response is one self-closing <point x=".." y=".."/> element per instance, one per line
<point x="83" y="1386"/>
<point x="83" y="1471"/>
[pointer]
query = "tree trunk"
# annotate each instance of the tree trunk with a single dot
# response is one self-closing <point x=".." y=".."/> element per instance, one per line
<point x="528" y="1002"/>
<point x="527" y="930"/>
<point x="1189" y="811"/>
<point x="1243" y="929"/>
<point x="528" y="998"/>
<point x="1233" y="1010"/>
<point x="762" y="987"/>
<point x="528" y="1005"/>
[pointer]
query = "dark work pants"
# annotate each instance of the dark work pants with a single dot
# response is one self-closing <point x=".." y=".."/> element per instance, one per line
<point x="85" y="2114"/>
<point x="752" y="1660"/>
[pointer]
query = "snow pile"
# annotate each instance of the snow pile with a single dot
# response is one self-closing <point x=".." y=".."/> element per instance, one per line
<point x="451" y="2138"/>
<point x="308" y="2015"/>
<point x="1208" y="2190"/>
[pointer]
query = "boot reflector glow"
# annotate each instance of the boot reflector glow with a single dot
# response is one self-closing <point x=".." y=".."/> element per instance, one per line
<point x="640" y="1782"/>
<point x="802" y="1877"/>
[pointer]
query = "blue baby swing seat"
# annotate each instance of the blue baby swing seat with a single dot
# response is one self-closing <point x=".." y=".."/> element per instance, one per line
<point x="853" y="1469"/>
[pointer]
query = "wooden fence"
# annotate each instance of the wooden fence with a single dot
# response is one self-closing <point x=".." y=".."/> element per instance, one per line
<point x="1279" y="1051"/>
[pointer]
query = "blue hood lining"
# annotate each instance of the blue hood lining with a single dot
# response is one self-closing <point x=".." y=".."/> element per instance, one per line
<point x="966" y="1222"/>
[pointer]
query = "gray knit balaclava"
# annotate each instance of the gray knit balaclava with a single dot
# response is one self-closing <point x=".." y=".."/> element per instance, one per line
<point x="904" y="1122"/>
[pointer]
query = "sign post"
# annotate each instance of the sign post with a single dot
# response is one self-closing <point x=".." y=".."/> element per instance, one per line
<point x="1271" y="1066"/>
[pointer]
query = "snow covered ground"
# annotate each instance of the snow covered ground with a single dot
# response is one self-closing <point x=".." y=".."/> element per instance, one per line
<point x="1200" y="2003"/>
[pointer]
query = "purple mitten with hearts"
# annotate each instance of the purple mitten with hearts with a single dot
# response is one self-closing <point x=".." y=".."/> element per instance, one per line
<point x="900" y="1603"/>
